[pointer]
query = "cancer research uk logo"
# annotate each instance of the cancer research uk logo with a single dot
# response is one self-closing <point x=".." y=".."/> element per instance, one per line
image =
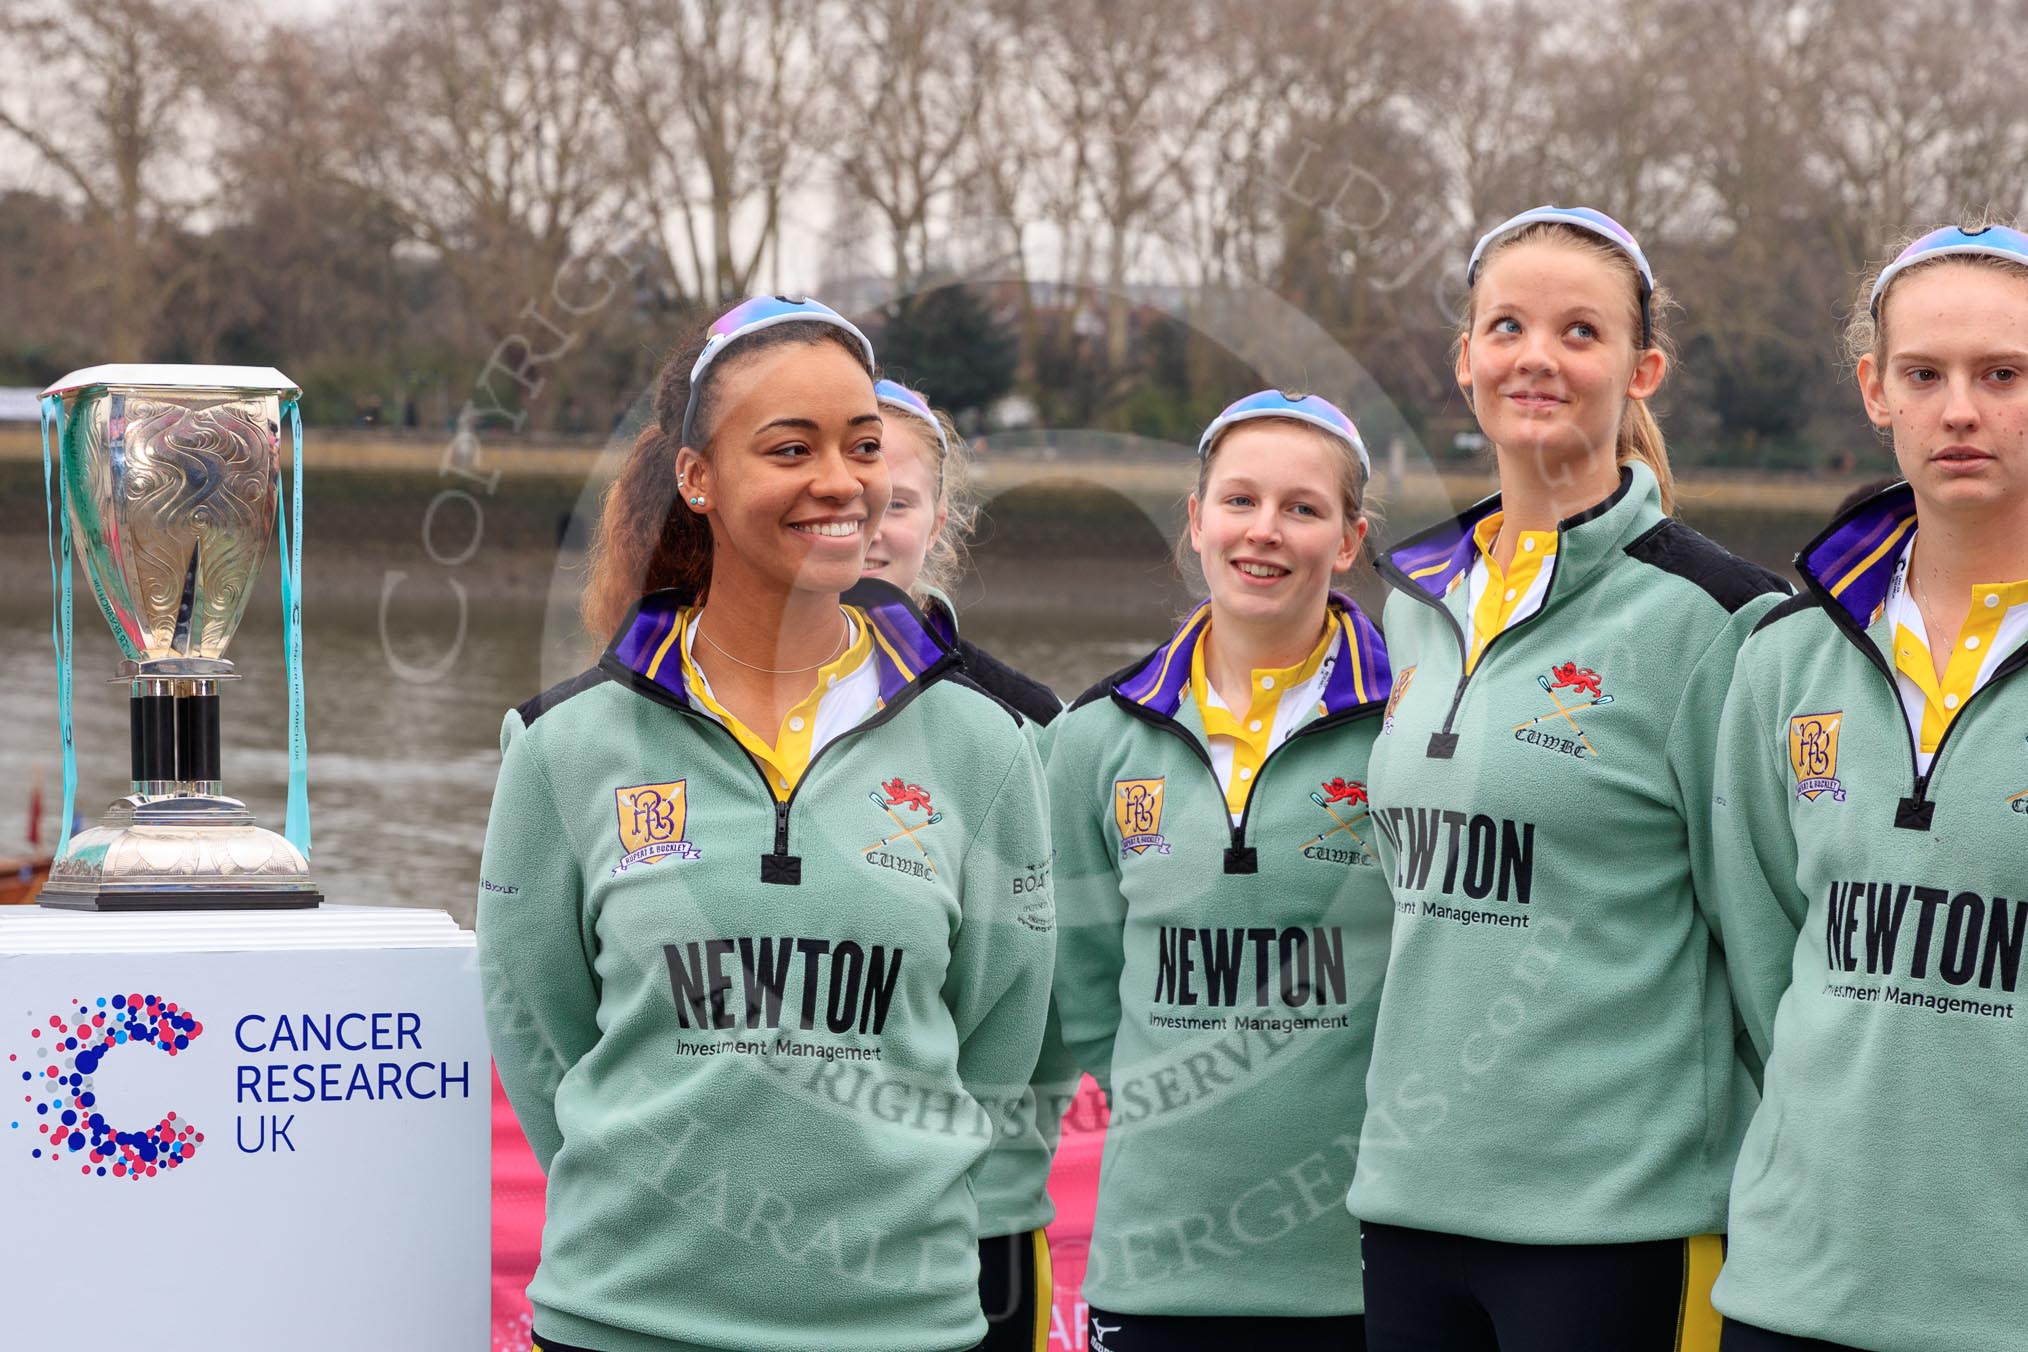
<point x="63" y="1104"/>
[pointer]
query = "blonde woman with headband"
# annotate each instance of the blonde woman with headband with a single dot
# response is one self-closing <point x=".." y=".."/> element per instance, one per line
<point x="1873" y="783"/>
<point x="918" y="548"/>
<point x="1224" y="921"/>
<point x="1556" y="1096"/>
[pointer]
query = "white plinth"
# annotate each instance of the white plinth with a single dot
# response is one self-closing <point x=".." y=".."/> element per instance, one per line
<point x="313" y="1158"/>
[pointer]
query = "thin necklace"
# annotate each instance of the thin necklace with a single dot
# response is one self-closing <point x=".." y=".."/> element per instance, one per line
<point x="1915" y="594"/>
<point x="780" y="671"/>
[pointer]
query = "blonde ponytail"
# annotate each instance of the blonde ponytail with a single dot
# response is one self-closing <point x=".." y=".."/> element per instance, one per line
<point x="1641" y="439"/>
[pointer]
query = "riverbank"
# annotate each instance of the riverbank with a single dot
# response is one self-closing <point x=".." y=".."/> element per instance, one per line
<point x="532" y="484"/>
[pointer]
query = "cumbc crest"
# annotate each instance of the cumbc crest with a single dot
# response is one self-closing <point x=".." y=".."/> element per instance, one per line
<point x="910" y="812"/>
<point x="1345" y="802"/>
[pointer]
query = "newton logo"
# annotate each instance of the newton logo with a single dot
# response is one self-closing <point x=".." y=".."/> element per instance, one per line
<point x="62" y="1102"/>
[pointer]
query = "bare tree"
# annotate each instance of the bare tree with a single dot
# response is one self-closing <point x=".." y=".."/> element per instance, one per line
<point x="1132" y="88"/>
<point x="110" y="95"/>
<point x="1623" y="112"/>
<point x="482" y="124"/>
<point x="302" y="257"/>
<point x="1004" y="194"/>
<point x="718" y="108"/>
<point x="911" y="84"/>
<point x="1921" y="121"/>
<point x="1364" y="206"/>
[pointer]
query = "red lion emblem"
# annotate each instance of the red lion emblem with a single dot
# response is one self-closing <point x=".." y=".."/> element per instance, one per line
<point x="1339" y="791"/>
<point x="1574" y="677"/>
<point x="906" y="795"/>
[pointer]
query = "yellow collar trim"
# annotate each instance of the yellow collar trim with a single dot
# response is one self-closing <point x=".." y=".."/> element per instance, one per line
<point x="1251" y="731"/>
<point x="1915" y="659"/>
<point x="1505" y="591"/>
<point x="788" y="755"/>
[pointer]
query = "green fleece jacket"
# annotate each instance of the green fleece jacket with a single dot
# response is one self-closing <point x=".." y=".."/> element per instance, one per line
<point x="1881" y="1199"/>
<point x="1556" y="1061"/>
<point x="1013" y="1184"/>
<point x="1220" y="981"/>
<point x="761" y="1049"/>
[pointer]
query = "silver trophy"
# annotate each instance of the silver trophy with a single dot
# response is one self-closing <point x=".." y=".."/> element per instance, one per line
<point x="172" y="475"/>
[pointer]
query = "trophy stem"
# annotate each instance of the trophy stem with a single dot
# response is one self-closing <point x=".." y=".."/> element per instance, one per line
<point x="152" y="721"/>
<point x="175" y="737"/>
<point x="197" y="740"/>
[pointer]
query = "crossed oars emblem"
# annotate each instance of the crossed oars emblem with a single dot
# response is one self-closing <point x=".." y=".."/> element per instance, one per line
<point x="1565" y="711"/>
<point x="903" y="829"/>
<point x="1342" y="825"/>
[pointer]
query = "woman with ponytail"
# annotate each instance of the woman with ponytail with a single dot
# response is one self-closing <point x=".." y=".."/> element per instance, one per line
<point x="764" y="917"/>
<point x="1871" y="777"/>
<point x="1556" y="1096"/>
<point x="1224" y="923"/>
<point x="919" y="548"/>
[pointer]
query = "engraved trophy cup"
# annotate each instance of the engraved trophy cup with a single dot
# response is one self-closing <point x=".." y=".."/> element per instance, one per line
<point x="170" y="477"/>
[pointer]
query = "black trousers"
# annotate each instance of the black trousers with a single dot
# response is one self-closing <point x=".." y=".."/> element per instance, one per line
<point x="1429" y="1292"/>
<point x="1222" y="1333"/>
<point x="1749" y="1338"/>
<point x="1016" y="1288"/>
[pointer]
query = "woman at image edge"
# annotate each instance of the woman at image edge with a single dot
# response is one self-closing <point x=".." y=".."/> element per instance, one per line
<point x="1872" y="780"/>
<point x="764" y="958"/>
<point x="928" y="517"/>
<point x="1224" y="923"/>
<point x="1556" y="1096"/>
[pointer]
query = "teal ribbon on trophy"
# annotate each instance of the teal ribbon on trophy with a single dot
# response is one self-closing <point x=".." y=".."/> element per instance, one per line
<point x="56" y="517"/>
<point x="296" y="824"/>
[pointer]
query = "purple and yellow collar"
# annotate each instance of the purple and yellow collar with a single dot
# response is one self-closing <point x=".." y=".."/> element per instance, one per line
<point x="1359" y="672"/>
<point x="905" y="647"/>
<point x="1436" y="558"/>
<point x="1852" y="563"/>
<point x="1432" y="561"/>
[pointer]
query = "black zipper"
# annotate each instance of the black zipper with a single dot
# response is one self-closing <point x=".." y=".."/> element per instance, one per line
<point x="1443" y="745"/>
<point x="1241" y="857"/>
<point x="781" y="866"/>
<point x="1914" y="812"/>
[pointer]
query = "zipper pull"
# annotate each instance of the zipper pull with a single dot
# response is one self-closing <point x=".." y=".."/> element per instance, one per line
<point x="781" y="866"/>
<point x="1239" y="856"/>
<point x="1914" y="813"/>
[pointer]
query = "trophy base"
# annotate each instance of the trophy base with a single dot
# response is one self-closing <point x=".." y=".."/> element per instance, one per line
<point x="180" y="852"/>
<point x="180" y="901"/>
